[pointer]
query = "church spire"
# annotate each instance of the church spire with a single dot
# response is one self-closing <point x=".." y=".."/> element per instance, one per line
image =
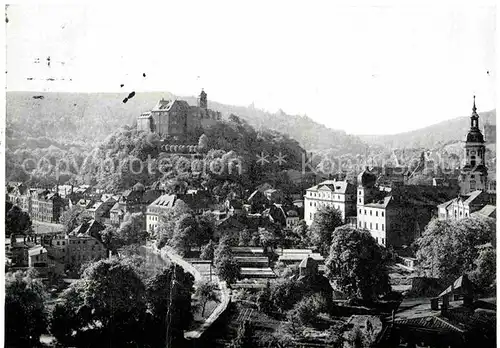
<point x="474" y="119"/>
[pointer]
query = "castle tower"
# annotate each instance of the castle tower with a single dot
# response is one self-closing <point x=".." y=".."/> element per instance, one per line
<point x="202" y="100"/>
<point x="474" y="173"/>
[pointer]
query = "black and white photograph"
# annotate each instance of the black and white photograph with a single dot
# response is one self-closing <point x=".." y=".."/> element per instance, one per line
<point x="249" y="174"/>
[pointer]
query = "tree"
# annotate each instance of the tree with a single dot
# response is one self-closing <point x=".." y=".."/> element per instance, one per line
<point x="285" y="293"/>
<point x="228" y="269"/>
<point x="203" y="142"/>
<point x="205" y="291"/>
<point x="185" y="232"/>
<point x="301" y="233"/>
<point x="109" y="237"/>
<point x="169" y="299"/>
<point x="326" y="220"/>
<point x="205" y="228"/>
<point x="357" y="264"/>
<point x="223" y="251"/>
<point x="131" y="231"/>
<point x="207" y="252"/>
<point x="484" y="275"/>
<point x="17" y="221"/>
<point x="307" y="309"/>
<point x="104" y="295"/>
<point x="25" y="313"/>
<point x="244" y="336"/>
<point x="448" y="249"/>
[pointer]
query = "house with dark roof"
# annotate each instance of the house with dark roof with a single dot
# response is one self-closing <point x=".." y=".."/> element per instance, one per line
<point x="84" y="244"/>
<point x="453" y="319"/>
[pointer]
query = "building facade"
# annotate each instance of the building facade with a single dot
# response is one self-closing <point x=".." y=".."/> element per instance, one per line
<point x="157" y="209"/>
<point x="396" y="216"/>
<point x="338" y="194"/>
<point x="464" y="205"/>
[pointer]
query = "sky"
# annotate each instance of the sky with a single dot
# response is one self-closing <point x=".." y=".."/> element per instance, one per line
<point x="367" y="67"/>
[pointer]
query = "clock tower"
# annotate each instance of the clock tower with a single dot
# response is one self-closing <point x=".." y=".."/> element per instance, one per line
<point x="474" y="173"/>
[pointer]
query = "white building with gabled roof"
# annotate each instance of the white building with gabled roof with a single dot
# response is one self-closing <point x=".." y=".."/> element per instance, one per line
<point x="338" y="194"/>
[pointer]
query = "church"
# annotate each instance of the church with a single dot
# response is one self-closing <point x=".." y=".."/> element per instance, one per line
<point x="176" y="118"/>
<point x="474" y="174"/>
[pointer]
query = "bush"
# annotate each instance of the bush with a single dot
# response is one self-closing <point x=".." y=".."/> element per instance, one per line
<point x="307" y="309"/>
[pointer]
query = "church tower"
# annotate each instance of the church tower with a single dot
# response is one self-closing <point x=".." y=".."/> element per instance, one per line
<point x="202" y="100"/>
<point x="474" y="173"/>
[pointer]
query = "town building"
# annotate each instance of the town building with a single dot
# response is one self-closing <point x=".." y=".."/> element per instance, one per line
<point x="37" y="256"/>
<point x="396" y="216"/>
<point x="157" y="209"/>
<point x="100" y="210"/>
<point x="176" y="118"/>
<point x="17" y="194"/>
<point x="338" y="194"/>
<point x="464" y="205"/>
<point x="46" y="206"/>
<point x="84" y="244"/>
<point x="474" y="174"/>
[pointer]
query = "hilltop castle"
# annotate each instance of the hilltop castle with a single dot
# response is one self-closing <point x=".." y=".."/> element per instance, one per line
<point x="176" y="118"/>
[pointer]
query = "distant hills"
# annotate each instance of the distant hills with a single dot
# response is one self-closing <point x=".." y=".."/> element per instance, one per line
<point x="87" y="118"/>
<point x="436" y="135"/>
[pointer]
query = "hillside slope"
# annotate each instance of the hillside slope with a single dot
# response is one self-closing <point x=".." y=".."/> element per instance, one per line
<point x="88" y="118"/>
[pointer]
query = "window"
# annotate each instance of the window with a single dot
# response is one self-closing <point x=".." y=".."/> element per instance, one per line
<point x="360" y="224"/>
<point x="365" y="211"/>
<point x="370" y="225"/>
<point x="382" y="213"/>
<point x="365" y="224"/>
<point x="360" y="200"/>
<point x="382" y="227"/>
<point x="383" y="241"/>
<point x="360" y="211"/>
<point x="376" y="226"/>
<point x="376" y="213"/>
<point x="370" y="213"/>
<point x="58" y="243"/>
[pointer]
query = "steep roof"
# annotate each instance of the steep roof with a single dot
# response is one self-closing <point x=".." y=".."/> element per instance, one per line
<point x="165" y="201"/>
<point x="340" y="186"/>
<point x="462" y="284"/>
<point x="90" y="228"/>
<point x="166" y="105"/>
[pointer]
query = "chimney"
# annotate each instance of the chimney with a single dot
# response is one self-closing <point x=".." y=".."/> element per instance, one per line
<point x="435" y="303"/>
<point x="445" y="304"/>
